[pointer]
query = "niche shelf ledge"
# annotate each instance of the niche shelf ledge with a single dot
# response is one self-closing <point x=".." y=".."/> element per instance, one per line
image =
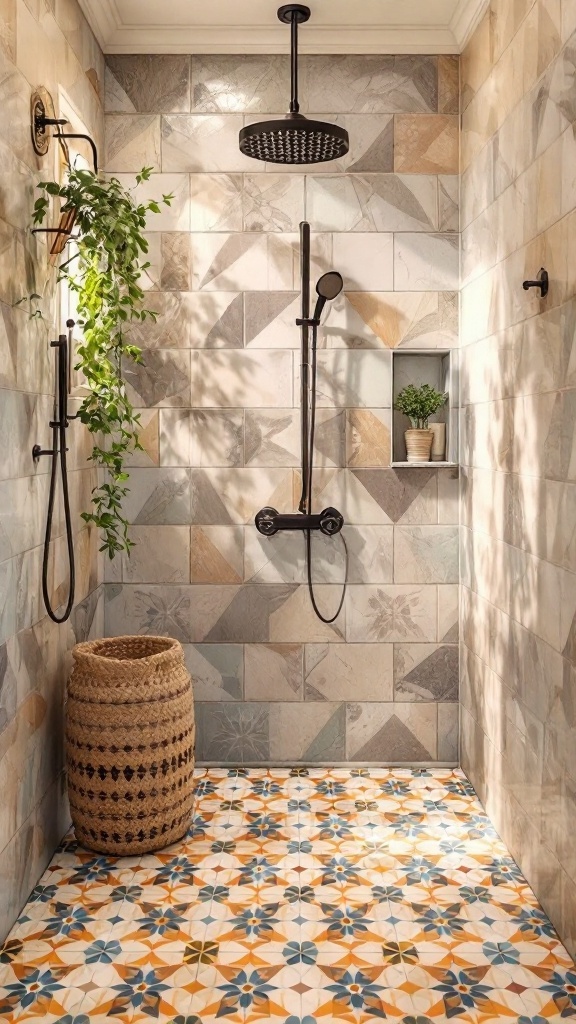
<point x="432" y="465"/>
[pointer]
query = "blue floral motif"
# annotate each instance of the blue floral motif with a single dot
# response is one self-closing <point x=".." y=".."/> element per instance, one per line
<point x="204" y="787"/>
<point x="139" y="989"/>
<point x="533" y="920"/>
<point x="395" y="787"/>
<point x="67" y="920"/>
<point x="162" y="920"/>
<point x="299" y="893"/>
<point x="300" y="952"/>
<point x="562" y="988"/>
<point x="501" y="952"/>
<point x="265" y="787"/>
<point x="441" y="920"/>
<point x="218" y="893"/>
<point x="358" y="991"/>
<point x="409" y="825"/>
<point x="453" y="846"/>
<point x="246" y="989"/>
<point x="198" y="827"/>
<point x="333" y="825"/>
<point x="463" y="989"/>
<point x="263" y="825"/>
<point x="435" y="806"/>
<point x="302" y="846"/>
<point x="298" y="805"/>
<point x="419" y="869"/>
<point x="503" y="871"/>
<point x="339" y="869"/>
<point x="301" y="1020"/>
<point x="257" y="870"/>
<point x="344" y="921"/>
<point x="34" y="986"/>
<point x="43" y="893"/>
<point x="98" y="869"/>
<point x="128" y="893"/>
<point x="256" y="921"/>
<point x="390" y="893"/>
<point x="329" y="787"/>
<point x="101" y="952"/>
<point x="179" y="869"/>
<point x="223" y="846"/>
<point x="475" y="894"/>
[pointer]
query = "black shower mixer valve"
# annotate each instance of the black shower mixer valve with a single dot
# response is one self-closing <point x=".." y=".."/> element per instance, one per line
<point x="269" y="521"/>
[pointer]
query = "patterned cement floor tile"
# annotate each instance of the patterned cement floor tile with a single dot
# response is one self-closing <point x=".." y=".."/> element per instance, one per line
<point x="299" y="896"/>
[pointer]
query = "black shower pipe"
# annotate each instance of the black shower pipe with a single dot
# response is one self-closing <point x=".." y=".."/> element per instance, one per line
<point x="58" y="452"/>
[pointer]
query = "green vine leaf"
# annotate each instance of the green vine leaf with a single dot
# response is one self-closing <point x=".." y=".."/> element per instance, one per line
<point x="105" y="279"/>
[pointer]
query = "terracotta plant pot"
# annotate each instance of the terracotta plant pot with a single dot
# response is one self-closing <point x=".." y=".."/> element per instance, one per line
<point x="418" y="445"/>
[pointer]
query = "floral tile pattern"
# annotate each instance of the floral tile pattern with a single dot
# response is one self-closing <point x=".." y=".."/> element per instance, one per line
<point x="300" y="896"/>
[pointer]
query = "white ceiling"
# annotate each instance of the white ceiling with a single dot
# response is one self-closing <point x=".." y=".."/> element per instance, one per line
<point x="251" y="26"/>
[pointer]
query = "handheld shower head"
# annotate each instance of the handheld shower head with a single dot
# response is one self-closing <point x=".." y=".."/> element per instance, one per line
<point x="328" y="288"/>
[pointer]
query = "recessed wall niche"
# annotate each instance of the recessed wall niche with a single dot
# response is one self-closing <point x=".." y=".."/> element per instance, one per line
<point x="438" y="368"/>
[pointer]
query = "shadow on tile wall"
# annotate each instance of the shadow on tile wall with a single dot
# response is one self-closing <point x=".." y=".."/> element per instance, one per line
<point x="55" y="50"/>
<point x="519" y="410"/>
<point x="219" y="394"/>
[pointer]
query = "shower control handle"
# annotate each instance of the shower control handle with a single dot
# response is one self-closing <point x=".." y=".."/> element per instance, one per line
<point x="269" y="521"/>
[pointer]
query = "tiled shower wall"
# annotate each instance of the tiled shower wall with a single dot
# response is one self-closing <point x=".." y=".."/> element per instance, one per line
<point x="47" y="44"/>
<point x="219" y="397"/>
<point x="519" y="472"/>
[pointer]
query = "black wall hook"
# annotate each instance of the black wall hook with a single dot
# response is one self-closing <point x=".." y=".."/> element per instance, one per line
<point x="543" y="283"/>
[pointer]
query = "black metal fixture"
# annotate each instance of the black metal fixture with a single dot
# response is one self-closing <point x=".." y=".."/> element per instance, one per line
<point x="269" y="521"/>
<point x="59" y="425"/>
<point x="330" y="521"/>
<point x="41" y="121"/>
<point x="295" y="139"/>
<point x="542" y="282"/>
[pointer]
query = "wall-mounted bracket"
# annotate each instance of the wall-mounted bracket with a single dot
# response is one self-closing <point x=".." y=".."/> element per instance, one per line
<point x="40" y="121"/>
<point x="542" y="282"/>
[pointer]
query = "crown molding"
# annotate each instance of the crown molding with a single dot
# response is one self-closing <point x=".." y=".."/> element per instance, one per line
<point x="104" y="19"/>
<point x="115" y="36"/>
<point x="467" y="17"/>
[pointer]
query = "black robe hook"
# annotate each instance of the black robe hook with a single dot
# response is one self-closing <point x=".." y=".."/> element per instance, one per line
<point x="543" y="283"/>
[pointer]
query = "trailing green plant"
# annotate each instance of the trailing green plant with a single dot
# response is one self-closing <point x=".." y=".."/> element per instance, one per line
<point x="418" y="404"/>
<point x="104" y="276"/>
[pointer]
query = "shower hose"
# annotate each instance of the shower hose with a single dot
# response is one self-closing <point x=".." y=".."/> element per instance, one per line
<point x="308" y="487"/>
<point x="59" y="425"/>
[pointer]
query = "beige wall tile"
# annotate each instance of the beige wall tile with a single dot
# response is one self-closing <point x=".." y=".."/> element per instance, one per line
<point x="426" y="143"/>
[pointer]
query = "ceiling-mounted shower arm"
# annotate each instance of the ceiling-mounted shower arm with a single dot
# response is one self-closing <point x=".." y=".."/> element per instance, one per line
<point x="294" y="15"/>
<point x="294" y="105"/>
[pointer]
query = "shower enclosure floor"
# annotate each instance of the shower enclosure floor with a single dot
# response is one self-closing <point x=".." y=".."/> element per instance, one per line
<point x="303" y="896"/>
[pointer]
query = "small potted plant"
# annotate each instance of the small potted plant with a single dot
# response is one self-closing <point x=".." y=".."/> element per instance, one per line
<point x="418" y="404"/>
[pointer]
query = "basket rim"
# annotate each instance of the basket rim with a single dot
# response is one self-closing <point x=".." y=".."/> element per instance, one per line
<point x="95" y="649"/>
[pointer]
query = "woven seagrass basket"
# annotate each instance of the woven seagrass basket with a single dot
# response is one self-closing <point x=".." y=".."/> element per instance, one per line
<point x="130" y="744"/>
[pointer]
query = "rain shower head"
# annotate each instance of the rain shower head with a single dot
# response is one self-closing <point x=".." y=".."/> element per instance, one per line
<point x="294" y="139"/>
